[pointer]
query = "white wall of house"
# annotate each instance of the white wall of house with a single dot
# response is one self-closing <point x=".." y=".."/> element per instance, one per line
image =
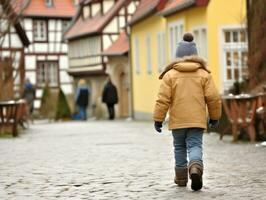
<point x="52" y="49"/>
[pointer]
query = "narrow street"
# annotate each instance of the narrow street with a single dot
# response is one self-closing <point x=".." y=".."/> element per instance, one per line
<point x="121" y="160"/>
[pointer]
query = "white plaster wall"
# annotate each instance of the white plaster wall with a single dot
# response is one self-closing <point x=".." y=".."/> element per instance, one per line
<point x="59" y="37"/>
<point x="86" y="11"/>
<point x="51" y="24"/>
<point x="64" y="77"/>
<point x="131" y="8"/>
<point x="112" y="26"/>
<point x="122" y="22"/>
<point x="41" y="58"/>
<point x="63" y="62"/>
<point x="64" y="48"/>
<point x="15" y="41"/>
<point x="52" y="57"/>
<point x="95" y="8"/>
<point x="30" y="35"/>
<point x="114" y="37"/>
<point x="41" y="48"/>
<point x="67" y="88"/>
<point x="106" y="41"/>
<point x="52" y="37"/>
<point x="5" y="42"/>
<point x="107" y="5"/>
<point x="27" y="24"/>
<point x="30" y="62"/>
<point x="31" y="75"/>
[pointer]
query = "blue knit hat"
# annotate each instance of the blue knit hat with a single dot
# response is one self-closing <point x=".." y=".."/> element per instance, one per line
<point x="186" y="47"/>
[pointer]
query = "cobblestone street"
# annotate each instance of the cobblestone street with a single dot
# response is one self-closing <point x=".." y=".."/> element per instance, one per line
<point x="121" y="160"/>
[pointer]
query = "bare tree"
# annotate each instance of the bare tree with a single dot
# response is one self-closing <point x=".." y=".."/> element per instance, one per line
<point x="257" y="40"/>
<point x="10" y="60"/>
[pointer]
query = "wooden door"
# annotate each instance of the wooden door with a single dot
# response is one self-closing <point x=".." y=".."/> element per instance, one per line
<point x="124" y="90"/>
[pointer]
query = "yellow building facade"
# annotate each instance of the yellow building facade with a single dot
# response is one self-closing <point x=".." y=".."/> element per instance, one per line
<point x="219" y="32"/>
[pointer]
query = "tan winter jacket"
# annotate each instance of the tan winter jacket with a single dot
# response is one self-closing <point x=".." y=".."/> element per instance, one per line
<point x="186" y="88"/>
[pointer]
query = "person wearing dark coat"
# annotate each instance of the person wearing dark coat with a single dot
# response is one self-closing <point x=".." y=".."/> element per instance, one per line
<point x="110" y="98"/>
<point x="29" y="95"/>
<point x="82" y="100"/>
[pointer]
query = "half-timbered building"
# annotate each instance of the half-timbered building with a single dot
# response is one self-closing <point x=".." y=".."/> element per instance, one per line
<point x="46" y="58"/>
<point x="13" y="40"/>
<point x="96" y="27"/>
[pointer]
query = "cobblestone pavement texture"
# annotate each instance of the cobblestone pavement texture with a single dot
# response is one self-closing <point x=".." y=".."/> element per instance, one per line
<point x="121" y="160"/>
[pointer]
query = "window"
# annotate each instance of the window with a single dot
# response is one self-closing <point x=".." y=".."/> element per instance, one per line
<point x="161" y="51"/>
<point x="176" y="31"/>
<point x="47" y="72"/>
<point x="200" y="38"/>
<point x="49" y="2"/>
<point x="40" y="30"/>
<point x="148" y="54"/>
<point x="137" y="61"/>
<point x="235" y="55"/>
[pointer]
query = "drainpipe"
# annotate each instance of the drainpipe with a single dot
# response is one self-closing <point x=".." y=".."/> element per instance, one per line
<point x="130" y="71"/>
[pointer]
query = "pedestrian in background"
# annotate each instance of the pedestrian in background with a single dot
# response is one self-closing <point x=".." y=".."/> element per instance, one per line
<point x="110" y="98"/>
<point x="29" y="96"/>
<point x="82" y="100"/>
<point x="187" y="87"/>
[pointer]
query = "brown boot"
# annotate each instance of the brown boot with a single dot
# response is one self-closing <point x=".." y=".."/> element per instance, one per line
<point x="181" y="176"/>
<point x="195" y="174"/>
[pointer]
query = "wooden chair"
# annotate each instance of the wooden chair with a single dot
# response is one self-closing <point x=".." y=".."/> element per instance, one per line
<point x="241" y="111"/>
<point x="8" y="116"/>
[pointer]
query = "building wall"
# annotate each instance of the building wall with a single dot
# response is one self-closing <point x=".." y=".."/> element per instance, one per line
<point x="118" y="70"/>
<point x="221" y="14"/>
<point x="55" y="49"/>
<point x="11" y="48"/>
<point x="145" y="85"/>
<point x="210" y="18"/>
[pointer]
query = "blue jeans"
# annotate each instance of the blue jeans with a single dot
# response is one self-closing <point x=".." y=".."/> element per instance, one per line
<point x="82" y="115"/>
<point x="187" y="142"/>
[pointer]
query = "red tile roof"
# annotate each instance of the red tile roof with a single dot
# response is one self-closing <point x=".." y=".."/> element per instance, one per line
<point x="60" y="8"/>
<point x="146" y="8"/>
<point x="119" y="47"/>
<point x="94" y="25"/>
<point x="173" y="6"/>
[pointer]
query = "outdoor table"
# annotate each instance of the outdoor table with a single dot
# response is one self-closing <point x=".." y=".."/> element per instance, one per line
<point x="241" y="111"/>
<point x="8" y="116"/>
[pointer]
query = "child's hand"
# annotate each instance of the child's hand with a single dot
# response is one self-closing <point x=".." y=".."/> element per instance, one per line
<point x="213" y="123"/>
<point x="158" y="126"/>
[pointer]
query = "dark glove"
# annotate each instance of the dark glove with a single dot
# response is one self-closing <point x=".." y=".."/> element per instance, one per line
<point x="213" y="123"/>
<point x="158" y="126"/>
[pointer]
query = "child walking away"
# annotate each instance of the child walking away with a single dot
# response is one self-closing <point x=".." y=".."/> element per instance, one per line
<point x="186" y="88"/>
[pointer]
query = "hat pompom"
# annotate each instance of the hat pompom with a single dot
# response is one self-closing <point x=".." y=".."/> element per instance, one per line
<point x="188" y="37"/>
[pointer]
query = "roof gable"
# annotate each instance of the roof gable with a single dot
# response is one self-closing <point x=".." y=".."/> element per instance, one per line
<point x="173" y="6"/>
<point x="94" y="25"/>
<point x="119" y="47"/>
<point x="147" y="8"/>
<point x="60" y="8"/>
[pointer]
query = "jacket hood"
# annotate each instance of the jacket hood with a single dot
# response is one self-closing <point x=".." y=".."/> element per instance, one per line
<point x="186" y="64"/>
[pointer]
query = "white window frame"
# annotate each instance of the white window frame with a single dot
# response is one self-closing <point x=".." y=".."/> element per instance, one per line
<point x="202" y="46"/>
<point x="161" y="51"/>
<point x="50" y="73"/>
<point x="175" y="37"/>
<point x="137" y="55"/>
<point x="224" y="47"/>
<point x="148" y="54"/>
<point x="40" y="30"/>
